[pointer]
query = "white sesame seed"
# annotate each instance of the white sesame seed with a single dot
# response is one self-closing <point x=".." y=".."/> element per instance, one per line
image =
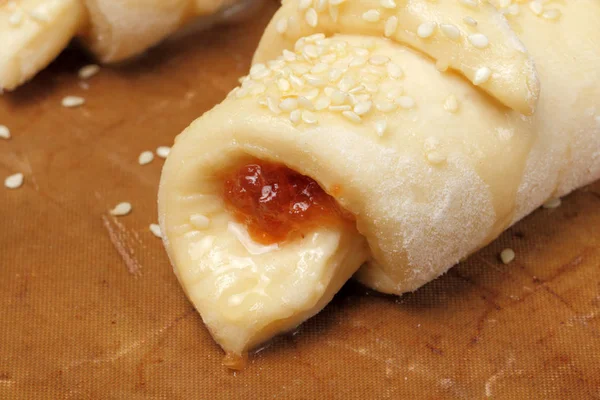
<point x="451" y="104"/>
<point x="431" y="143"/>
<point x="295" y="117"/>
<point x="335" y="74"/>
<point x="289" y="104"/>
<point x="358" y="61"/>
<point x="391" y="24"/>
<point x="310" y="51"/>
<point x="469" y="3"/>
<point x="371" y="87"/>
<point x="4" y="132"/>
<point x="361" y="52"/>
<point x="344" y="107"/>
<point x="329" y="58"/>
<point x="314" y="80"/>
<point x="482" y="75"/>
<point x="281" y="26"/>
<point x="309" y="117"/>
<point x="39" y="14"/>
<point x="363" y="107"/>
<point x="513" y="9"/>
<point x="303" y="102"/>
<point x="442" y="65"/>
<point x="450" y="30"/>
<point x="321" y="5"/>
<point x="380" y="127"/>
<point x="272" y="105"/>
<point x="391" y="4"/>
<point x="259" y="71"/>
<point x="288" y="56"/>
<point x="72" y="101"/>
<point x="145" y="157"/>
<point x="258" y="89"/>
<point x="338" y="97"/>
<point x="394" y="70"/>
<point x="336" y="2"/>
<point x="304" y="4"/>
<point x="334" y="12"/>
<point x="436" y="158"/>
<point x="311" y="94"/>
<point x="405" y="102"/>
<point x="283" y="84"/>
<point x="551" y="14"/>
<point x="352" y="116"/>
<point x="507" y="256"/>
<point x="88" y="71"/>
<point x="121" y="209"/>
<point x="15" y="18"/>
<point x="319" y="68"/>
<point x="200" y="221"/>
<point x="385" y="106"/>
<point x="311" y="17"/>
<point x="296" y="82"/>
<point x="479" y="40"/>
<point x="552" y="203"/>
<point x="240" y="94"/>
<point x="155" y="229"/>
<point x="315" y="37"/>
<point x="322" y="103"/>
<point x="378" y="60"/>
<point x="536" y="7"/>
<point x="14" y="181"/>
<point x="371" y="15"/>
<point x="346" y="83"/>
<point x="356" y="89"/>
<point x="470" y="21"/>
<point x="163" y="151"/>
<point x="426" y="29"/>
<point x="328" y="91"/>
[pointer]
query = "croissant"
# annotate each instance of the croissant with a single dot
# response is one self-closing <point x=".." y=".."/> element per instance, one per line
<point x="385" y="140"/>
<point x="34" y="32"/>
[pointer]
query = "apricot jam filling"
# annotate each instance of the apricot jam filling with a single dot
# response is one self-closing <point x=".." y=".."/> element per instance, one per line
<point x="277" y="203"/>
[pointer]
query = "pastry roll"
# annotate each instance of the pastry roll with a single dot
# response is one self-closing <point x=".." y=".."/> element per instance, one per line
<point x="34" y="32"/>
<point x="383" y="139"/>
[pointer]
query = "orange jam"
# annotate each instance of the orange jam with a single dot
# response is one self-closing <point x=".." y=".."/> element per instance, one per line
<point x="277" y="203"/>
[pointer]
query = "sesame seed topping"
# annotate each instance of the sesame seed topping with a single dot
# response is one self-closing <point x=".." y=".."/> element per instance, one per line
<point x="391" y="24"/>
<point x="441" y="65"/>
<point x="405" y="102"/>
<point x="358" y="61"/>
<point x="394" y="70"/>
<point x="363" y="107"/>
<point x="426" y="29"/>
<point x="295" y="117"/>
<point x="72" y="101"/>
<point x="289" y="104"/>
<point x="311" y="17"/>
<point x="14" y="181"/>
<point x="338" y="97"/>
<point x="4" y="132"/>
<point x="469" y="3"/>
<point x="352" y="116"/>
<point x="378" y="60"/>
<point x="309" y="117"/>
<point x="552" y="203"/>
<point x="283" y="84"/>
<point x="391" y="4"/>
<point x="450" y="31"/>
<point x="380" y="127"/>
<point x="155" y="229"/>
<point x="479" y="40"/>
<point x="482" y="75"/>
<point x="536" y="7"/>
<point x="436" y="158"/>
<point x="121" y="209"/>
<point x="336" y="2"/>
<point x="319" y="68"/>
<point x="145" y="157"/>
<point x="385" y="106"/>
<point x="451" y="104"/>
<point x="88" y="71"/>
<point x="322" y="103"/>
<point x="551" y="14"/>
<point x="281" y="26"/>
<point x="321" y="5"/>
<point x="470" y="21"/>
<point x="39" y="14"/>
<point x="344" y="107"/>
<point x="304" y="4"/>
<point x="507" y="256"/>
<point x="199" y="221"/>
<point x="15" y="18"/>
<point x="272" y="105"/>
<point x="163" y="151"/>
<point x="334" y="12"/>
<point x="371" y="15"/>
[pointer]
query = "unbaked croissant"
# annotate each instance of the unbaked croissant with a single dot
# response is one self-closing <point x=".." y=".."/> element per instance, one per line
<point x="34" y="32"/>
<point x="434" y="125"/>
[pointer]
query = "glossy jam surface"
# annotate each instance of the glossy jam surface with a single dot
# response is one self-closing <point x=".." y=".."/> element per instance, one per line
<point x="277" y="203"/>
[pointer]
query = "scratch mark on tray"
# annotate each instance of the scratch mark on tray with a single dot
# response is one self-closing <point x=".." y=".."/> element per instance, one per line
<point x="31" y="175"/>
<point x="121" y="241"/>
<point x="498" y="375"/>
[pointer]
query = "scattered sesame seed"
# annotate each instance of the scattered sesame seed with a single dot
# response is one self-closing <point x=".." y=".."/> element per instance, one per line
<point x="303" y="102"/>
<point x="352" y="116"/>
<point x="163" y="151"/>
<point x="321" y="5"/>
<point x="482" y="75"/>
<point x="507" y="256"/>
<point x="311" y="17"/>
<point x="450" y="30"/>
<point x="385" y="106"/>
<point x="552" y="203"/>
<point x="451" y="104"/>
<point x="304" y="4"/>
<point x="436" y="158"/>
<point x="121" y="209"/>
<point x="479" y="40"/>
<point x="39" y="14"/>
<point x="426" y="29"/>
<point x="283" y="84"/>
<point x="405" y="102"/>
<point x="336" y="2"/>
<point x="334" y="12"/>
<point x="72" y="101"/>
<point x="281" y="26"/>
<point x="390" y="26"/>
<point x="551" y="14"/>
<point x="145" y="157"/>
<point x="289" y="104"/>
<point x="200" y="221"/>
<point x="378" y="60"/>
<point x="14" y="181"/>
<point x="15" y="18"/>
<point x="536" y="7"/>
<point x="4" y="132"/>
<point x="371" y="15"/>
<point x="344" y="107"/>
<point x="441" y="65"/>
<point x="470" y="21"/>
<point x="295" y="117"/>
<point x="272" y="105"/>
<point x="380" y="127"/>
<point x="363" y="107"/>
<point x="394" y="70"/>
<point x="88" y="71"/>
<point x="156" y="231"/>
<point x="319" y="68"/>
<point x="358" y="61"/>
<point x="388" y="4"/>
<point x="309" y="117"/>
<point x="513" y="9"/>
<point x="322" y="103"/>
<point x="469" y="3"/>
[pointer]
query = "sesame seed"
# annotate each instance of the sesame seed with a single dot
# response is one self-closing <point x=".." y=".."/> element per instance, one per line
<point x="14" y="181"/>
<point x="426" y="29"/>
<point x="552" y="203"/>
<point x="241" y="93"/>
<point x="451" y="104"/>
<point x="200" y="221"/>
<point x="72" y="101"/>
<point x="371" y="87"/>
<point x="259" y="71"/>
<point x="394" y="70"/>
<point x="479" y="40"/>
<point x="378" y="60"/>
<point x="469" y="3"/>
<point x="303" y="102"/>
<point x="346" y="83"/>
<point x="121" y="209"/>
<point x="310" y="51"/>
<point x="363" y="107"/>
<point x="281" y="26"/>
<point x="551" y="14"/>
<point x="450" y="30"/>
<point x="388" y="4"/>
<point x="405" y="102"/>
<point x="385" y="106"/>
<point x="319" y="68"/>
<point x="507" y="256"/>
<point x="309" y="117"/>
<point x="441" y="65"/>
<point x="4" y="132"/>
<point x="321" y="5"/>
<point x="295" y="117"/>
<point x="334" y="13"/>
<point x="315" y="37"/>
<point x="296" y="82"/>
<point x="272" y="105"/>
<point x="436" y="158"/>
<point x="15" y="18"/>
<point x="356" y="89"/>
<point x="311" y="94"/>
<point x="283" y="84"/>
<point x="336" y="2"/>
<point x="380" y="127"/>
<point x="344" y="107"/>
<point x="39" y="14"/>
<point x="482" y="75"/>
<point x="163" y="151"/>
<point x="304" y="4"/>
<point x="390" y="26"/>
<point x="311" y="17"/>
<point x="371" y="15"/>
<point x="358" y="61"/>
<point x="536" y="7"/>
<point x="322" y="103"/>
<point x="338" y="97"/>
<point x="88" y="71"/>
<point x="145" y="157"/>
<point x="314" y="80"/>
<point x="352" y="116"/>
<point x="289" y="104"/>
<point x="155" y="229"/>
<point x="335" y="74"/>
<point x="470" y="21"/>
<point x="287" y="56"/>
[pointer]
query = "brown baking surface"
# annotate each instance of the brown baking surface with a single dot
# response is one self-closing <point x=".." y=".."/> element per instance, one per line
<point x="91" y="309"/>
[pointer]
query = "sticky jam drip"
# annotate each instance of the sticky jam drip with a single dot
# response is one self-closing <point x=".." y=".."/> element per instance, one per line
<point x="277" y="203"/>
